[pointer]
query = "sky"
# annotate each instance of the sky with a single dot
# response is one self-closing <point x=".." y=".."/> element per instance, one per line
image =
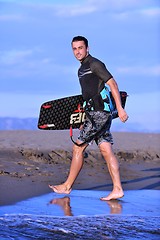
<point x="37" y="63"/>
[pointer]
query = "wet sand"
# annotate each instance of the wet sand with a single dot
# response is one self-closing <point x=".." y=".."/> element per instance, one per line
<point x="31" y="160"/>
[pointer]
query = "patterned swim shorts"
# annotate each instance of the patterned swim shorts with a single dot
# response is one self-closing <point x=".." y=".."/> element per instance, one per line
<point x="96" y="127"/>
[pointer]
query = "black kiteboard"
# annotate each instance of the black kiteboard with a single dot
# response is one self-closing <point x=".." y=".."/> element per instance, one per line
<point x="61" y="113"/>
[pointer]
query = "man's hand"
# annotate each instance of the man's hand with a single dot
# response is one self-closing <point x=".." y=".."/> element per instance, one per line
<point x="122" y="115"/>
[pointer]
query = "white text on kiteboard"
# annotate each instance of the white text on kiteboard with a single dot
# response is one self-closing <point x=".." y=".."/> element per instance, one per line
<point x="77" y="117"/>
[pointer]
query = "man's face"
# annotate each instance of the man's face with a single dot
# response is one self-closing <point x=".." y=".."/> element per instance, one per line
<point x="79" y="49"/>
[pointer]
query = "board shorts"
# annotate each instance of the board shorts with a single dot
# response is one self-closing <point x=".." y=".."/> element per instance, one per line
<point x="96" y="127"/>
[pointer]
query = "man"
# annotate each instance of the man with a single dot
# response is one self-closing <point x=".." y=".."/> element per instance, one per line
<point x="93" y="76"/>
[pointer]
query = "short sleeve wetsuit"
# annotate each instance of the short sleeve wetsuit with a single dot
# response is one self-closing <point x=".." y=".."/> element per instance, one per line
<point x="93" y="75"/>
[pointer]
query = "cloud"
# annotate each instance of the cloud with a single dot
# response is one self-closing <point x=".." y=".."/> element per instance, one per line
<point x="32" y="62"/>
<point x="11" y="17"/>
<point x="18" y="63"/>
<point x="75" y="10"/>
<point x="91" y="6"/>
<point x="152" y="12"/>
<point x="13" y="57"/>
<point x="121" y="8"/>
<point x="147" y="13"/>
<point x="140" y="70"/>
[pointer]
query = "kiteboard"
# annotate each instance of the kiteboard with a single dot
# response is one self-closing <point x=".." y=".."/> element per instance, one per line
<point x="60" y="114"/>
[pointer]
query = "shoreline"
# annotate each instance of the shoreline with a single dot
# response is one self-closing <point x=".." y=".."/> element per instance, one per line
<point x="31" y="160"/>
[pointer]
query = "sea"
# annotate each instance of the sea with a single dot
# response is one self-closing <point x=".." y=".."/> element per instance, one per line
<point x="81" y="215"/>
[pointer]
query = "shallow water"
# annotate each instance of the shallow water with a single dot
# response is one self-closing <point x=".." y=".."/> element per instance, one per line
<point x="83" y="216"/>
<point x="96" y="227"/>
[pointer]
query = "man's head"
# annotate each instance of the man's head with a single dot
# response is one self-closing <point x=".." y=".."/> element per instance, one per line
<point x="80" y="47"/>
<point x="80" y="38"/>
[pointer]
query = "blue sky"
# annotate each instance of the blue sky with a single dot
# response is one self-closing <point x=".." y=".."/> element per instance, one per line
<point x="37" y="63"/>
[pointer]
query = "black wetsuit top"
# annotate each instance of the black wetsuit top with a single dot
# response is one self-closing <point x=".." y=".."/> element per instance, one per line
<point x="93" y="75"/>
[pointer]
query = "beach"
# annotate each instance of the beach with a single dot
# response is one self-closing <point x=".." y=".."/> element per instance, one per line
<point x="31" y="160"/>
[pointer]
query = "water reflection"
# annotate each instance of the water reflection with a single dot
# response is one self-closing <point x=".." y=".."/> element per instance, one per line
<point x="64" y="203"/>
<point x="114" y="205"/>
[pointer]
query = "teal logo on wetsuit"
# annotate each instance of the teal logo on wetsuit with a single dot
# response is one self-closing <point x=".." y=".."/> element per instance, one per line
<point x="107" y="102"/>
<point x="105" y="94"/>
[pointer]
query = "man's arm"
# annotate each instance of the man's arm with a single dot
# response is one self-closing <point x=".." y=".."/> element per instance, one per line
<point x="115" y="93"/>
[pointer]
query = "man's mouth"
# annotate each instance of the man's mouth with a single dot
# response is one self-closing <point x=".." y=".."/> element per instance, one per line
<point x="78" y="55"/>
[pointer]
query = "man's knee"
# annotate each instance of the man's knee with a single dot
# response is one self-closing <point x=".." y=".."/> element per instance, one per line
<point x="105" y="148"/>
<point x="79" y="148"/>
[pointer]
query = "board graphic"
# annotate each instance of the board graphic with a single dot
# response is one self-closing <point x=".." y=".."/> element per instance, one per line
<point x="61" y="113"/>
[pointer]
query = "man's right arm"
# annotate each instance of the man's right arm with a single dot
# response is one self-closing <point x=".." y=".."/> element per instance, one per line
<point x="116" y="95"/>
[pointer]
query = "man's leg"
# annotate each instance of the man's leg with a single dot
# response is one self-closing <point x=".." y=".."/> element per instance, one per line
<point x="113" y="167"/>
<point x="76" y="165"/>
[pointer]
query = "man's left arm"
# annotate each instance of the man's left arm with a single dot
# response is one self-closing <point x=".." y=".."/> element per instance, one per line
<point x="116" y="95"/>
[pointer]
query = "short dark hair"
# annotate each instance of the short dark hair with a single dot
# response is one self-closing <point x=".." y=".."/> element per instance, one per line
<point x="80" y="38"/>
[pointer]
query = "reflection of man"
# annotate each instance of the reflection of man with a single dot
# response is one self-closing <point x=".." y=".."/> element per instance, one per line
<point x="114" y="205"/>
<point x="93" y="76"/>
<point x="64" y="203"/>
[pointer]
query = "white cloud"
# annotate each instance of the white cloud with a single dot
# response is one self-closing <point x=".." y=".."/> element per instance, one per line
<point x="11" y="17"/>
<point x="31" y="62"/>
<point x="114" y="4"/>
<point x="120" y="8"/>
<point x="75" y="10"/>
<point x="140" y="70"/>
<point x="14" y="56"/>
<point x="152" y="12"/>
<point x="90" y="6"/>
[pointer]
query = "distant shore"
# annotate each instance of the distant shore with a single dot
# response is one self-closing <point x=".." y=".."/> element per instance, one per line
<point x="30" y="160"/>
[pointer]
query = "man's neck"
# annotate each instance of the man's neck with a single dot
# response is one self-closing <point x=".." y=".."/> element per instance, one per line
<point x="84" y="58"/>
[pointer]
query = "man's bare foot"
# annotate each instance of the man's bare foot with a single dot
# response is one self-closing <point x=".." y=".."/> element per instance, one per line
<point x="115" y="194"/>
<point x="61" y="189"/>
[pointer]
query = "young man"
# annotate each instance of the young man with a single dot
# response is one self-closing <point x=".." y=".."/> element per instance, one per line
<point x="93" y="76"/>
